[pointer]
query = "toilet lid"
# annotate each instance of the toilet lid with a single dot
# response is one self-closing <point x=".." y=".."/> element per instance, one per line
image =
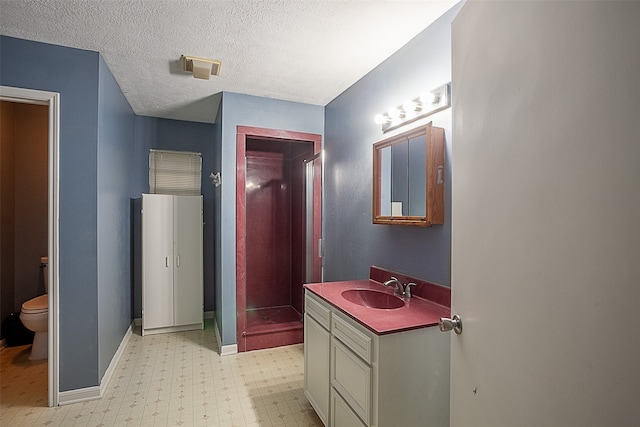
<point x="36" y="305"/>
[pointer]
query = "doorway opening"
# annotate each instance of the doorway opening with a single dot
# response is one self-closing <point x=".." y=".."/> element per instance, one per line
<point x="27" y="105"/>
<point x="278" y="214"/>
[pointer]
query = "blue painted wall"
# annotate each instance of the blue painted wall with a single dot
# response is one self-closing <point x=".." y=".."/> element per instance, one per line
<point x="217" y="207"/>
<point x="103" y="163"/>
<point x="164" y="134"/>
<point x="116" y="122"/>
<point x="96" y="140"/>
<point x="74" y="74"/>
<point x="253" y="111"/>
<point x="353" y="243"/>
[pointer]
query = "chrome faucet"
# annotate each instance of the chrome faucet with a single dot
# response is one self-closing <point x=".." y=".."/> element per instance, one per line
<point x="399" y="288"/>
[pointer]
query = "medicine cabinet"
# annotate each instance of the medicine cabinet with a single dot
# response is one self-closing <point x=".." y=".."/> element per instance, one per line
<point x="408" y="178"/>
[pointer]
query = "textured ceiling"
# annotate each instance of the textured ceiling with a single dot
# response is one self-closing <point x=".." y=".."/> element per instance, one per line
<point x="295" y="50"/>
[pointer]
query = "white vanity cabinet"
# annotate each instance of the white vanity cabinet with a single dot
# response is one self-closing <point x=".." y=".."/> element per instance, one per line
<point x="396" y="379"/>
<point x="172" y="270"/>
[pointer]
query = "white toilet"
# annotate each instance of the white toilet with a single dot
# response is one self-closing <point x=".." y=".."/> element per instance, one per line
<point x="35" y="317"/>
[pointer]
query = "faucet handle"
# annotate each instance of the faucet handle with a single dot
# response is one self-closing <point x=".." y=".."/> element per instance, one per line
<point x="407" y="289"/>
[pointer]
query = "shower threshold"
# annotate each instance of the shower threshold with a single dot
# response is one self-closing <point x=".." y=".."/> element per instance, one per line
<point x="272" y="327"/>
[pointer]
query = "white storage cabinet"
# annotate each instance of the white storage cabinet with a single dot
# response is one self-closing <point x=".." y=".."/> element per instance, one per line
<point x="172" y="273"/>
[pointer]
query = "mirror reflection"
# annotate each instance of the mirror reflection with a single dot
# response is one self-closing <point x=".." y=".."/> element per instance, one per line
<point x="403" y="178"/>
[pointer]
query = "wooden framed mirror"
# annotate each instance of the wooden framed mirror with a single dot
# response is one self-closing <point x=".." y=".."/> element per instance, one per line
<point x="408" y="178"/>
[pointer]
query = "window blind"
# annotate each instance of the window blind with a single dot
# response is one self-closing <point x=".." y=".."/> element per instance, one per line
<point x="175" y="172"/>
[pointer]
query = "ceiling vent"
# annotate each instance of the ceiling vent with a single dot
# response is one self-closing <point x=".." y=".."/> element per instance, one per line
<point x="201" y="68"/>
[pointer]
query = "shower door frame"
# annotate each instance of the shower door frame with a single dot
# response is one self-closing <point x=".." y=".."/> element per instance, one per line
<point x="242" y="134"/>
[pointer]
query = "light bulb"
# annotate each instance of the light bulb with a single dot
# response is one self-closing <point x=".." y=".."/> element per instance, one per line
<point x="428" y="98"/>
<point x="381" y="119"/>
<point x="394" y="113"/>
<point x="410" y="106"/>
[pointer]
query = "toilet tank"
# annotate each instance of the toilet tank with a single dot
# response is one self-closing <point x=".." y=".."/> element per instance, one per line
<point x="44" y="263"/>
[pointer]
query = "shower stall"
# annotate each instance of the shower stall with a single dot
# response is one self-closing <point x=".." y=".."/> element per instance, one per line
<point x="278" y="234"/>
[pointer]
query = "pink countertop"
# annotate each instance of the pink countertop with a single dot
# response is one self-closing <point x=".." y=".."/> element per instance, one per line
<point x="416" y="313"/>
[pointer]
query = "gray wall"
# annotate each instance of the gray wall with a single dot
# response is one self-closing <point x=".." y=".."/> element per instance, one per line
<point x="353" y="243"/>
<point x="164" y="134"/>
<point x="115" y="139"/>
<point x="254" y="111"/>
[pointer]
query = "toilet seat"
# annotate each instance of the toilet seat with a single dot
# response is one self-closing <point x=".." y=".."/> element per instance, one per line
<point x="36" y="305"/>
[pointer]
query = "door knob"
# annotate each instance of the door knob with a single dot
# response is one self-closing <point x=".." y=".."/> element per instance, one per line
<point x="446" y="324"/>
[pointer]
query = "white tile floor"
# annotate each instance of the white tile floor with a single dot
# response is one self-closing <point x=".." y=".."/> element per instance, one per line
<point x="168" y="379"/>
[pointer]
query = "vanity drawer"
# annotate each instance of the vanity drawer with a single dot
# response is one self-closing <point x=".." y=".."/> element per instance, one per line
<point x="315" y="309"/>
<point x="358" y="342"/>
<point x="351" y="377"/>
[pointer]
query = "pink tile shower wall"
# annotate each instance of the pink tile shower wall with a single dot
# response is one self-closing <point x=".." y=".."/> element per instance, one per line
<point x="268" y="238"/>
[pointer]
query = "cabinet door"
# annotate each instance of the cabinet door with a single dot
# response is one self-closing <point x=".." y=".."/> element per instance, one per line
<point x="157" y="261"/>
<point x="341" y="413"/>
<point x="351" y="377"/>
<point x="316" y="366"/>
<point x="187" y="273"/>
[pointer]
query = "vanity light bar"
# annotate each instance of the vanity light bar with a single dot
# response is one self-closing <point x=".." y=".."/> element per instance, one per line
<point x="411" y="110"/>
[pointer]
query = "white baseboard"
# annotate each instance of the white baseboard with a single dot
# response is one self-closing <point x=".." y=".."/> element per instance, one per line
<point x="96" y="392"/>
<point x="78" y="395"/>
<point x="106" y="378"/>
<point x="207" y="315"/>
<point x="225" y="350"/>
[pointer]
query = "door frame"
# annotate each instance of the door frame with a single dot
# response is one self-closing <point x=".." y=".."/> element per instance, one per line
<point x="242" y="134"/>
<point x="52" y="101"/>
